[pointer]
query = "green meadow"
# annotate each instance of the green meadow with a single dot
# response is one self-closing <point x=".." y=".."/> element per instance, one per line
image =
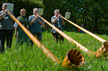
<point x="27" y="58"/>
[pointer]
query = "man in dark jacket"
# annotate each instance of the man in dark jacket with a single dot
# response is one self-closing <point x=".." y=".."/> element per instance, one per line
<point x="35" y="24"/>
<point x="6" y="28"/>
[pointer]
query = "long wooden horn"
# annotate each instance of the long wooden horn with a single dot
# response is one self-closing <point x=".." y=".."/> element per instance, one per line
<point x="102" y="49"/>
<point x="86" y="31"/>
<point x="68" y="38"/>
<point x="37" y="42"/>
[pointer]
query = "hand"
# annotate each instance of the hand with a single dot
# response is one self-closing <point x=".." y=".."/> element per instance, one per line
<point x="43" y="25"/>
<point x="58" y="15"/>
<point x="6" y="11"/>
<point x="15" y="35"/>
<point x="37" y="16"/>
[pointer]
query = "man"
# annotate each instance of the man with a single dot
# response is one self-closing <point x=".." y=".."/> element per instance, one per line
<point x="57" y="22"/>
<point x="35" y="24"/>
<point x="22" y="37"/>
<point x="6" y="27"/>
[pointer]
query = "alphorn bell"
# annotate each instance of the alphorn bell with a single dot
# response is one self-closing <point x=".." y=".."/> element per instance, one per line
<point x="71" y="54"/>
<point x="73" y="58"/>
<point x="102" y="49"/>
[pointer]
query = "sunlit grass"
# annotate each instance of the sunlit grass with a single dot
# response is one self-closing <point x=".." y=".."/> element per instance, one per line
<point x="27" y="58"/>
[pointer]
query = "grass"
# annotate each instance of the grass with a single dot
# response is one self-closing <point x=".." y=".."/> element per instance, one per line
<point x="26" y="58"/>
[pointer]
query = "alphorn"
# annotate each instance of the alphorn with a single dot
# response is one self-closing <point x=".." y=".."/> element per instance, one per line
<point x="86" y="31"/>
<point x="36" y="42"/>
<point x="68" y="61"/>
<point x="68" y="38"/>
<point x="102" y="49"/>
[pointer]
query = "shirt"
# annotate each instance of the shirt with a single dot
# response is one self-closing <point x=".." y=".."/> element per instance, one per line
<point x="6" y="23"/>
<point x="36" y="26"/>
<point x="24" y="21"/>
<point x="58" y="24"/>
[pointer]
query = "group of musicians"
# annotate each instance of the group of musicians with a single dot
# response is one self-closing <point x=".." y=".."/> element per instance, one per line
<point x="32" y="23"/>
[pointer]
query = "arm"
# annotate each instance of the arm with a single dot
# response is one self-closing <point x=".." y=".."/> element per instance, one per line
<point x="55" y="20"/>
<point x="63" y="22"/>
<point x="41" y="22"/>
<point x="16" y="27"/>
<point x="2" y="15"/>
<point x="34" y="19"/>
<point x="16" y="31"/>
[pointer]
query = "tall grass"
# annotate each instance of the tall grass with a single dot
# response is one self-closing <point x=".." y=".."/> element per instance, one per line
<point x="27" y="58"/>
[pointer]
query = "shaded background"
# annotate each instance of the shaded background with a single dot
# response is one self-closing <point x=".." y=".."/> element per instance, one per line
<point x="91" y="13"/>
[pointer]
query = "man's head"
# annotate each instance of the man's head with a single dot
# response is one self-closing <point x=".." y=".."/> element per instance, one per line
<point x="4" y="6"/>
<point x="23" y="12"/>
<point x="35" y="11"/>
<point x="56" y="12"/>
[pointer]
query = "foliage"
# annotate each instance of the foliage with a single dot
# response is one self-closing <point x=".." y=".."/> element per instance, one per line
<point x="91" y="13"/>
<point x="27" y="4"/>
